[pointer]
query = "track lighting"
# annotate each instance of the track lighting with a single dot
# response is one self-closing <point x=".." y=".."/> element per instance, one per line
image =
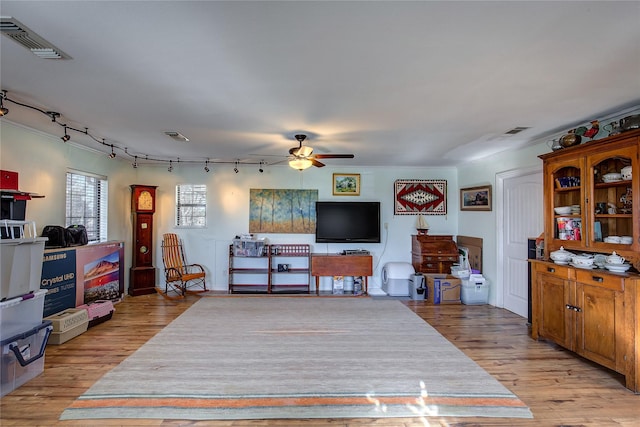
<point x="66" y="137"/>
<point x="55" y="118"/>
<point x="3" y="111"/>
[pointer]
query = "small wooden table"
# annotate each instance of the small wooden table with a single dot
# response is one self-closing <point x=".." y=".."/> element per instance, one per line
<point x="341" y="265"/>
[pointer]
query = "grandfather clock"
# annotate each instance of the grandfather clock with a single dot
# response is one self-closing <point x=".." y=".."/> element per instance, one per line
<point x="142" y="277"/>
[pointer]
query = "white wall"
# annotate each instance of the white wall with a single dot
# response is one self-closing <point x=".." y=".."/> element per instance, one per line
<point x="483" y="224"/>
<point x="42" y="161"/>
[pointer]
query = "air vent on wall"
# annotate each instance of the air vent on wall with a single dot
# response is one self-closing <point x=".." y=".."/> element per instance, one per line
<point x="19" y="33"/>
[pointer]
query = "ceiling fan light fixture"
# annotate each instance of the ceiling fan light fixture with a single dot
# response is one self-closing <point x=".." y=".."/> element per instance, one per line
<point x="304" y="151"/>
<point x="300" y="164"/>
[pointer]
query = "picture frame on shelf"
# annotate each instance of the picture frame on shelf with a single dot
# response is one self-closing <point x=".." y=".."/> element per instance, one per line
<point x="476" y="198"/>
<point x="346" y="184"/>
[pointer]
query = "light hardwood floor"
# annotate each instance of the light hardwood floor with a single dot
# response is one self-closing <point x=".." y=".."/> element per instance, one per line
<point x="560" y="388"/>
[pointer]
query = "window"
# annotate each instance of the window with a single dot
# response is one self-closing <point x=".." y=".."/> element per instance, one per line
<point x="191" y="205"/>
<point x="87" y="203"/>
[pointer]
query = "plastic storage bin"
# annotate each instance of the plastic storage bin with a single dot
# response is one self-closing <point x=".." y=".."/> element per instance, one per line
<point x="395" y="278"/>
<point x="23" y="357"/>
<point x="475" y="290"/>
<point x="251" y="248"/>
<point x="21" y="262"/>
<point x="20" y="314"/>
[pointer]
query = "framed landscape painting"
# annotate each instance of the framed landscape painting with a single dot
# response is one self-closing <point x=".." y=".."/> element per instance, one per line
<point x="475" y="198"/>
<point x="346" y="184"/>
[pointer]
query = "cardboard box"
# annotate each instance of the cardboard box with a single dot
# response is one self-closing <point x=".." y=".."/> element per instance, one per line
<point x="442" y="289"/>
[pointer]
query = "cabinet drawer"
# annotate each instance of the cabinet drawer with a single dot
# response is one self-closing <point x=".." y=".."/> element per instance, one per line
<point x="434" y="258"/>
<point x="561" y="271"/>
<point x="600" y="278"/>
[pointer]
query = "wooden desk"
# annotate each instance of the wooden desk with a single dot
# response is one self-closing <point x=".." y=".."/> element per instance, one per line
<point x="341" y="265"/>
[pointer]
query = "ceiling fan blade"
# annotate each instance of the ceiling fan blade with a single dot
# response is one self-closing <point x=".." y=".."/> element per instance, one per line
<point x="316" y="163"/>
<point x="334" y="156"/>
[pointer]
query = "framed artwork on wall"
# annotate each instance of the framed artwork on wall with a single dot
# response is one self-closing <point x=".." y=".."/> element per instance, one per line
<point x="420" y="197"/>
<point x="475" y="198"/>
<point x="282" y="211"/>
<point x="346" y="184"/>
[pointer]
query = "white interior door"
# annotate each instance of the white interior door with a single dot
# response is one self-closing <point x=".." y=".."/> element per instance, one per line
<point x="522" y="219"/>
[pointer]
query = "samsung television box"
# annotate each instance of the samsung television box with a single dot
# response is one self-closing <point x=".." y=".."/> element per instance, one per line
<point x="443" y="289"/>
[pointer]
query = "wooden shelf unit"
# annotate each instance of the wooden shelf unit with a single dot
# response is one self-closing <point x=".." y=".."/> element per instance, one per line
<point x="260" y="274"/>
<point x="296" y="277"/>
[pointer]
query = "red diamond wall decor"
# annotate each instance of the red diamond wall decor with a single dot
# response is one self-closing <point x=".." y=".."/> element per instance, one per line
<point x="420" y="197"/>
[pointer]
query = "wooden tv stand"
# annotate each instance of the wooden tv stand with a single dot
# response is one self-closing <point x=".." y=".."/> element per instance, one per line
<point x="341" y="265"/>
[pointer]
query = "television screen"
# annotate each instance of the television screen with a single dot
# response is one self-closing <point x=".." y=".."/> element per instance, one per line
<point x="348" y="222"/>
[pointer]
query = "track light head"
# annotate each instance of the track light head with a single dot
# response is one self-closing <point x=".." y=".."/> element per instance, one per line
<point x="235" y="169"/>
<point x="66" y="137"/>
<point x="3" y="111"/>
<point x="170" y="168"/>
<point x="135" y="162"/>
<point x="113" y="154"/>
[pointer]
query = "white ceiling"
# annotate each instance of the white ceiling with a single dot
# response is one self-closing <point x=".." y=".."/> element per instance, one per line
<point x="396" y="83"/>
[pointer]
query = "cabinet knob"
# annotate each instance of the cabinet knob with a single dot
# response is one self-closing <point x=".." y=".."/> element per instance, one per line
<point x="551" y="269"/>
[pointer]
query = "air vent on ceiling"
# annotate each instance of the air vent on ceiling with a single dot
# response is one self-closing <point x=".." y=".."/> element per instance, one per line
<point x="19" y="33"/>
<point x="516" y="130"/>
<point x="177" y="136"/>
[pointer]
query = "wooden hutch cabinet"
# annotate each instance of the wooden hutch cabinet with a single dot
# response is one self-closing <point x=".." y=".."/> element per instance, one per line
<point x="433" y="254"/>
<point x="592" y="312"/>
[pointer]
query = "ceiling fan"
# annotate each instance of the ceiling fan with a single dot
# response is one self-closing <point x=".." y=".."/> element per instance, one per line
<point x="302" y="157"/>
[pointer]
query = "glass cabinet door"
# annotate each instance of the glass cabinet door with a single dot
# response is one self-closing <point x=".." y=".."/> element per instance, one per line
<point x="567" y="203"/>
<point x="614" y="221"/>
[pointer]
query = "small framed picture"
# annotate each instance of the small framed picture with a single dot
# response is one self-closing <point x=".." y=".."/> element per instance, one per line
<point x="346" y="184"/>
<point x="475" y="198"/>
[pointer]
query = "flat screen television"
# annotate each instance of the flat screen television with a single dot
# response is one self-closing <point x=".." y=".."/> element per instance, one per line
<point x="348" y="222"/>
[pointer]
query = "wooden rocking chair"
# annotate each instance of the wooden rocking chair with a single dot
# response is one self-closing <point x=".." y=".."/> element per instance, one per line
<point x="179" y="276"/>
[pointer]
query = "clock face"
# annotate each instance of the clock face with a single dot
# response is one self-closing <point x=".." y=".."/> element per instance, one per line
<point x="145" y="201"/>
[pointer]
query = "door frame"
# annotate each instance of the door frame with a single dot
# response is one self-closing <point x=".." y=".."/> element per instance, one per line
<point x="499" y="196"/>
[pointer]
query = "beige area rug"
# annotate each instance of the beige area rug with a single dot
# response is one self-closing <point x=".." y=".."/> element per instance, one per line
<point x="288" y="357"/>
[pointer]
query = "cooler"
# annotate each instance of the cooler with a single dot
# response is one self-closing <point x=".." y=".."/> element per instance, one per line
<point x="395" y="278"/>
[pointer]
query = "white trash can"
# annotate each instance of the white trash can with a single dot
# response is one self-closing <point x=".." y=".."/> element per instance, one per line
<point x="417" y="286"/>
